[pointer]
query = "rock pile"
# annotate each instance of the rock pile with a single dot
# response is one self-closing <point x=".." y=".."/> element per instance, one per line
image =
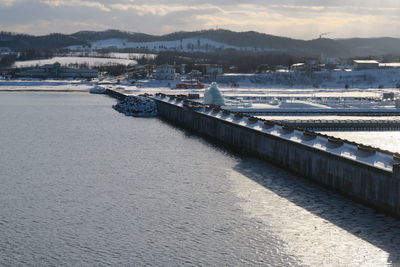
<point x="137" y="106"/>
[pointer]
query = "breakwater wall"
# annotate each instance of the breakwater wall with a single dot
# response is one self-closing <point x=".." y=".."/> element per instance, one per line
<point x="115" y="94"/>
<point x="367" y="174"/>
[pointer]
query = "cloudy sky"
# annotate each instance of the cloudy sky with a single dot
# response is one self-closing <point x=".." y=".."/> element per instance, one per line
<point x="304" y="19"/>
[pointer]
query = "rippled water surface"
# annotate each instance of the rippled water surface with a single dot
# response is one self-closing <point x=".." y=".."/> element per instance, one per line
<point x="84" y="185"/>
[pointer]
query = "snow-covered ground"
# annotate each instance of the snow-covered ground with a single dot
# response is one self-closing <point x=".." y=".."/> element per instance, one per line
<point x="187" y="45"/>
<point x="45" y="85"/>
<point x="91" y="61"/>
<point x="258" y="97"/>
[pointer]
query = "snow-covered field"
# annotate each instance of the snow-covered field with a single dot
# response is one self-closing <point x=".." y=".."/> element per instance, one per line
<point x="187" y="45"/>
<point x="91" y="61"/>
<point x="131" y="56"/>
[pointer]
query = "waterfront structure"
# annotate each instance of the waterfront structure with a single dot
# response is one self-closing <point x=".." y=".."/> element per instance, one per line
<point x="390" y="65"/>
<point x="165" y="72"/>
<point x="298" y="67"/>
<point x="235" y="77"/>
<point x="370" y="175"/>
<point x="214" y="70"/>
<point x="365" y="64"/>
<point x="367" y="174"/>
<point x="57" y="71"/>
<point x="195" y="74"/>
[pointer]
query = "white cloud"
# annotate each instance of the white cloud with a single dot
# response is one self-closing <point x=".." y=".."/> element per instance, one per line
<point x="76" y="3"/>
<point x="294" y="18"/>
<point x="47" y="26"/>
<point x="9" y="3"/>
<point x="161" y="9"/>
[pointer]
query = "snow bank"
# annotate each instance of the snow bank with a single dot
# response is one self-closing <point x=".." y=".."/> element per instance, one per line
<point x="137" y="106"/>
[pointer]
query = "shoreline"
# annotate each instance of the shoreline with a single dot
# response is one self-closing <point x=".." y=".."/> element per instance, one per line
<point x="44" y="90"/>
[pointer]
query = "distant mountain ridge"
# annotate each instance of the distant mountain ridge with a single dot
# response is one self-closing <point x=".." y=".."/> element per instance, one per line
<point x="250" y="41"/>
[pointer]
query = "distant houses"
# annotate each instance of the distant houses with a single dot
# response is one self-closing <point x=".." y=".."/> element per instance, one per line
<point x="165" y="72"/>
<point x="337" y="64"/>
<point x="5" y="50"/>
<point x="57" y="71"/>
<point x="214" y="70"/>
<point x="298" y="67"/>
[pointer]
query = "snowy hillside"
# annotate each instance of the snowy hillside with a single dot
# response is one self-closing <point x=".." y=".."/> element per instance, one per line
<point x="185" y="45"/>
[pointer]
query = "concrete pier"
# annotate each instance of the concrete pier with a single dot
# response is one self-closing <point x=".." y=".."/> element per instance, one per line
<point x="367" y="174"/>
<point x="115" y="94"/>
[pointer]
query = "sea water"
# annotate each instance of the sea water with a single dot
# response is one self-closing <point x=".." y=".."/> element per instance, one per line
<point x="82" y="184"/>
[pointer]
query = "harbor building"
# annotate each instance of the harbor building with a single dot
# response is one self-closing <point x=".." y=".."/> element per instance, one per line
<point x="57" y="71"/>
<point x="365" y="64"/>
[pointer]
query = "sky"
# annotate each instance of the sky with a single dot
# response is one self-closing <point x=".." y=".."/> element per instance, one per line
<point x="301" y="19"/>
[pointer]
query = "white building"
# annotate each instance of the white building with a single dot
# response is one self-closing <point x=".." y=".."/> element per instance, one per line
<point x="365" y="64"/>
<point x="391" y="65"/>
<point x="165" y="72"/>
<point x="298" y="67"/>
<point x="214" y="70"/>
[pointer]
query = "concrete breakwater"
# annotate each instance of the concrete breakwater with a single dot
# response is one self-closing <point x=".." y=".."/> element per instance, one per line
<point x="364" y="173"/>
<point x="115" y="94"/>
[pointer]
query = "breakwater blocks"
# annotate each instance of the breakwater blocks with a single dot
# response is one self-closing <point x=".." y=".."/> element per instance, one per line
<point x="137" y="106"/>
<point x="367" y="174"/>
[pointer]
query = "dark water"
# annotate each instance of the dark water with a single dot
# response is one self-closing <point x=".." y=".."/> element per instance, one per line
<point x="84" y="185"/>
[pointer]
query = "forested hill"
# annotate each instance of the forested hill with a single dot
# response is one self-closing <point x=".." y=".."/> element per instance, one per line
<point x="214" y="39"/>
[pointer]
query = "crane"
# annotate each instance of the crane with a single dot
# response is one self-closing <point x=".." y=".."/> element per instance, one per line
<point x="323" y="34"/>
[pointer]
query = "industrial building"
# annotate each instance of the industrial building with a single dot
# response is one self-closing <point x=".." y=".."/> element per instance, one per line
<point x="365" y="64"/>
<point x="57" y="71"/>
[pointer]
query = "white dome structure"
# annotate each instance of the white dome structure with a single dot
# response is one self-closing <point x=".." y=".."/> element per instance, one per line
<point x="213" y="96"/>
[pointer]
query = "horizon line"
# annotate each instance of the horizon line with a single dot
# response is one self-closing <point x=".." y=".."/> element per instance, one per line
<point x="193" y="31"/>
